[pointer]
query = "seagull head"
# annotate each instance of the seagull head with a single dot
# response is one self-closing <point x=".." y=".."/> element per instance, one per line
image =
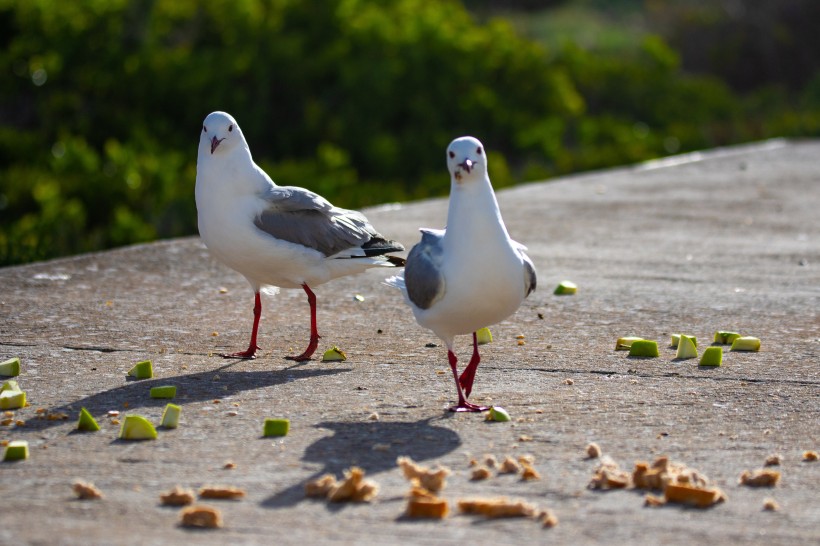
<point x="220" y="133"/>
<point x="466" y="159"/>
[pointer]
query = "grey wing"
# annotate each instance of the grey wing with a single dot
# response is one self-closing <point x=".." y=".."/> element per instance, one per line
<point x="422" y="272"/>
<point x="530" y="278"/>
<point x="303" y="217"/>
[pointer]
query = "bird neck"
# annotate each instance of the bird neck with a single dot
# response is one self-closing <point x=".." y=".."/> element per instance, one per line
<point x="474" y="214"/>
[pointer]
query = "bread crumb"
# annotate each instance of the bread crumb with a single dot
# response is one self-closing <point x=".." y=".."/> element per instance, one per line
<point x="529" y="473"/>
<point x="526" y="459"/>
<point x="525" y="438"/>
<point x="373" y="416"/>
<point x="500" y="507"/>
<point x="425" y="504"/>
<point x="653" y="500"/>
<point x="608" y="475"/>
<point x="201" y="517"/>
<point x="354" y="488"/>
<point x="509" y="466"/>
<point x="229" y="465"/>
<point x="569" y="381"/>
<point x="810" y="456"/>
<point x="693" y="495"/>
<point x="221" y="492"/>
<point x="773" y="460"/>
<point x="432" y="480"/>
<point x="490" y="461"/>
<point x="770" y="505"/>
<point x="86" y="490"/>
<point x="321" y="486"/>
<point x="760" y="478"/>
<point x="480" y="472"/>
<point x="547" y="519"/>
<point x="593" y="451"/>
<point x="177" y="497"/>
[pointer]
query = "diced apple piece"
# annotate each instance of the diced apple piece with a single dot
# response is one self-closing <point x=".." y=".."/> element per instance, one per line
<point x="334" y="354"/>
<point x="483" y="336"/>
<point x="676" y="340"/>
<point x="624" y="343"/>
<point x="686" y="348"/>
<point x="165" y="391"/>
<point x="12" y="399"/>
<point x="10" y="385"/>
<point x="142" y="370"/>
<point x="87" y="422"/>
<point x="712" y="356"/>
<point x="137" y="427"/>
<point x="565" y="288"/>
<point x="276" y="427"/>
<point x="746" y="343"/>
<point x="644" y="347"/>
<point x="17" y="450"/>
<point x="170" y="416"/>
<point x="498" y="414"/>
<point x="725" y="338"/>
<point x="10" y="368"/>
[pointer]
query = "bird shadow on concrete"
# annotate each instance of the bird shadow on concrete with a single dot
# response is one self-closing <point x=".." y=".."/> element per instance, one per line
<point x="194" y="387"/>
<point x="352" y="444"/>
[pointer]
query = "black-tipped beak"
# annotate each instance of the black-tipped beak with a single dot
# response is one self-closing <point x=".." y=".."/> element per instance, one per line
<point x="214" y="143"/>
<point x="467" y="165"/>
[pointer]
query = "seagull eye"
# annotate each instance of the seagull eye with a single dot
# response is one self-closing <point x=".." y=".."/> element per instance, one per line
<point x="204" y="129"/>
<point x="452" y="154"/>
<point x="230" y="128"/>
<point x="478" y="150"/>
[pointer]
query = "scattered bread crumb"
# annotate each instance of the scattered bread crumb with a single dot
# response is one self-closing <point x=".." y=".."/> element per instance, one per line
<point x="432" y="480"/>
<point x="770" y="505"/>
<point x="509" y="466"/>
<point x="177" y="497"/>
<point x="608" y="475"/>
<point x="653" y="500"/>
<point x="593" y="450"/>
<point x="221" y="492"/>
<point x="490" y="461"/>
<point x="760" y="478"/>
<point x="200" y="516"/>
<point x="354" y="488"/>
<point x="701" y="497"/>
<point x="526" y="459"/>
<point x="86" y="490"/>
<point x="500" y="507"/>
<point x="481" y="472"/>
<point x="525" y="438"/>
<point x="773" y="460"/>
<point x="569" y="381"/>
<point x="810" y="456"/>
<point x="423" y="503"/>
<point x="373" y="416"/>
<point x="548" y="519"/>
<point x="229" y="465"/>
<point x="321" y="486"/>
<point x="529" y="473"/>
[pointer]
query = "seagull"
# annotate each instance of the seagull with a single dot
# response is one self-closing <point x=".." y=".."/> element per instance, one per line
<point x="471" y="274"/>
<point x="276" y="236"/>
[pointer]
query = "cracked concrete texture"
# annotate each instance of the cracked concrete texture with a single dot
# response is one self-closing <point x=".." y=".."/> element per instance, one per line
<point x="724" y="240"/>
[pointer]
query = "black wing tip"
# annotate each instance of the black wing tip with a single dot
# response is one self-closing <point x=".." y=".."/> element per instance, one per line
<point x="396" y="261"/>
<point x="378" y="246"/>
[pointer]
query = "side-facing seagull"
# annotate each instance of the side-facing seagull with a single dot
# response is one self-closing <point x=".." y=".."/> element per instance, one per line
<point x="471" y="274"/>
<point x="280" y="236"/>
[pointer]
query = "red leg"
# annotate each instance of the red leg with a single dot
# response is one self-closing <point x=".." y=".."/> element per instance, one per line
<point x="314" y="332"/>
<point x="463" y="404"/>
<point x="468" y="375"/>
<point x="252" y="347"/>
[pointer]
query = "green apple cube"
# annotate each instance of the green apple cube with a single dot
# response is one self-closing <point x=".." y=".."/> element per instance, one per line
<point x="726" y="338"/>
<point x="17" y="450"/>
<point x="686" y="347"/>
<point x="11" y="367"/>
<point x="87" y="422"/>
<point x="12" y="399"/>
<point x="334" y="354"/>
<point x="644" y="347"/>
<point x="746" y="343"/>
<point x="676" y="340"/>
<point x="276" y="427"/>
<point x="483" y="336"/>
<point x="170" y="416"/>
<point x="142" y="370"/>
<point x="565" y="288"/>
<point x="10" y="385"/>
<point x="712" y="356"/>
<point x="165" y="391"/>
<point x="498" y="414"/>
<point x="624" y="343"/>
<point x="137" y="427"/>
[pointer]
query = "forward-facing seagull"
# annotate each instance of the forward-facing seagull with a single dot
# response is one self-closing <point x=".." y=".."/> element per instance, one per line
<point x="280" y="236"/>
<point x="471" y="274"/>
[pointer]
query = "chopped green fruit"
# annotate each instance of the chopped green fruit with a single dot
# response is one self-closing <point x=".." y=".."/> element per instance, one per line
<point x="11" y="399"/>
<point x="137" y="427"/>
<point x="276" y="427"/>
<point x="87" y="422"/>
<point x="10" y="385"/>
<point x="624" y="343"/>
<point x="746" y="343"/>
<point x="334" y="354"/>
<point x="498" y="414"/>
<point x="170" y="416"/>
<point x="165" y="391"/>
<point x="483" y="336"/>
<point x="17" y="450"/>
<point x="676" y="340"/>
<point x="726" y="338"/>
<point x="712" y="356"/>
<point x="565" y="288"/>
<point x="11" y="367"/>
<point x="142" y="370"/>
<point x="644" y="347"/>
<point x="686" y="347"/>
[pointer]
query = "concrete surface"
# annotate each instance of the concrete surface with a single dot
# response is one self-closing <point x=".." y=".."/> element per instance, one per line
<point x="726" y="240"/>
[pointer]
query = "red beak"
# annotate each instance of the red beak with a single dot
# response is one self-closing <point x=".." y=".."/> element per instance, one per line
<point x="214" y="143"/>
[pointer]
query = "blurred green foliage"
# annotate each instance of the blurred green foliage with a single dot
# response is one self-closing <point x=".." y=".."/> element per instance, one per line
<point x="101" y="103"/>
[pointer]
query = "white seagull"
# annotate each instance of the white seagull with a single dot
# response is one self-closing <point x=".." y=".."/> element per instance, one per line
<point x="280" y="236"/>
<point x="471" y="274"/>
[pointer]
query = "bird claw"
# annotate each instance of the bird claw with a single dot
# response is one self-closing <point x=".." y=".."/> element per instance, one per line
<point x="311" y="348"/>
<point x="467" y="407"/>
<point x="248" y="354"/>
